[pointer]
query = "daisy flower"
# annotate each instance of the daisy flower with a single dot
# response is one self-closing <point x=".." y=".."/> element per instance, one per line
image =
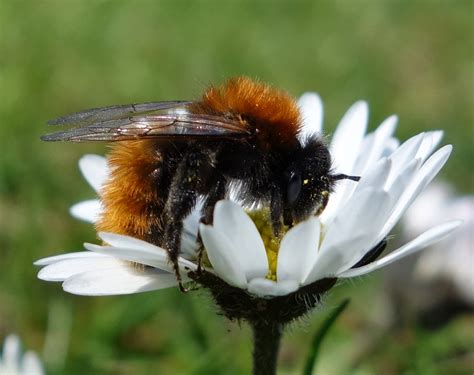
<point x="13" y="362"/>
<point x="241" y="250"/>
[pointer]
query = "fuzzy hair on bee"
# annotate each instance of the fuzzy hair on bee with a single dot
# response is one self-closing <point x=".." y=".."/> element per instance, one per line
<point x="164" y="156"/>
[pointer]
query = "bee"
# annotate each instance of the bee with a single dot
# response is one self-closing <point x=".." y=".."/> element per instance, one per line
<point x="166" y="155"/>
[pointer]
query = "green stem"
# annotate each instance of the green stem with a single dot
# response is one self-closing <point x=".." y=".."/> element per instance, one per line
<point x="266" y="344"/>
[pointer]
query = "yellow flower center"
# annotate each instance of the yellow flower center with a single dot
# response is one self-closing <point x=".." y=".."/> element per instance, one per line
<point x="261" y="219"/>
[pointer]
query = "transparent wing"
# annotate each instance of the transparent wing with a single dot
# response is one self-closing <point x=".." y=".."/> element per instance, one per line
<point x="115" y="112"/>
<point x="149" y="120"/>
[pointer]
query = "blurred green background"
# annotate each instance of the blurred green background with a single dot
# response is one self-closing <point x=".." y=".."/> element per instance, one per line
<point x="410" y="58"/>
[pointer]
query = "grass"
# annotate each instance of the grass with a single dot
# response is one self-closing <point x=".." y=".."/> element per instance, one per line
<point x="409" y="58"/>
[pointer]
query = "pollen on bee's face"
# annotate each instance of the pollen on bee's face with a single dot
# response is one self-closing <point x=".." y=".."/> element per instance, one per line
<point x="261" y="219"/>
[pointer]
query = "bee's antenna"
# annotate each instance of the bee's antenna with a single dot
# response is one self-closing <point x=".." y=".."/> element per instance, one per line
<point x="345" y="177"/>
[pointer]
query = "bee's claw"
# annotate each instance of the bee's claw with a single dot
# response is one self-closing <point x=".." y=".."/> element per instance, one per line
<point x="182" y="288"/>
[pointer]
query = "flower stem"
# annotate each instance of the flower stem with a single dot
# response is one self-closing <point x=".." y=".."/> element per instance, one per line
<point x="266" y="344"/>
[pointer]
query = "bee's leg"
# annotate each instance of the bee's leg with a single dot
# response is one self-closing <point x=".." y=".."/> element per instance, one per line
<point x="287" y="218"/>
<point x="181" y="200"/>
<point x="276" y="211"/>
<point x="216" y="193"/>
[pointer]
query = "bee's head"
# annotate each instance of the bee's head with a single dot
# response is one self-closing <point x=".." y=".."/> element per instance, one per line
<point x="308" y="181"/>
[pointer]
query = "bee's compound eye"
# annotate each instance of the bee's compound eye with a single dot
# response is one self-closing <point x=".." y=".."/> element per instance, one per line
<point x="294" y="187"/>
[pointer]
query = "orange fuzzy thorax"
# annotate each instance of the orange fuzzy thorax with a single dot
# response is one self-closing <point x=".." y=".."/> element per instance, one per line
<point x="273" y="112"/>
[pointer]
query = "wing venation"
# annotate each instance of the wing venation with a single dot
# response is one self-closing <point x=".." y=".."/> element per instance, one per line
<point x="116" y="112"/>
<point x="172" y="125"/>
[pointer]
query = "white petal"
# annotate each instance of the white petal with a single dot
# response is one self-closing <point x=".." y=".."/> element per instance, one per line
<point x="221" y="253"/>
<point x="430" y="141"/>
<point x="348" y="137"/>
<point x="88" y="211"/>
<point x="119" y="280"/>
<point x="365" y="154"/>
<point x="422" y="178"/>
<point x="345" y="147"/>
<point x="31" y="364"/>
<point x="337" y="199"/>
<point x="189" y="246"/>
<point x="374" y="145"/>
<point x="58" y="258"/>
<point x="191" y="223"/>
<point x="364" y="212"/>
<point x="400" y="184"/>
<point x="155" y="257"/>
<point x="267" y="288"/>
<point x="351" y="232"/>
<point x="298" y="251"/>
<point x="239" y="229"/>
<point x="376" y="177"/>
<point x="94" y="169"/>
<point x="404" y="154"/>
<point x="371" y="154"/>
<point x="11" y="353"/>
<point x="189" y="243"/>
<point x="119" y="240"/>
<point x="64" y="269"/>
<point x="433" y="235"/>
<point x="390" y="146"/>
<point x="311" y="108"/>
